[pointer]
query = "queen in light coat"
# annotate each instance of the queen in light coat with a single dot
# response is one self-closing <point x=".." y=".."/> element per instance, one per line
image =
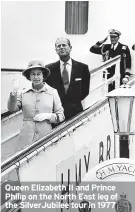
<point x="40" y="104"/>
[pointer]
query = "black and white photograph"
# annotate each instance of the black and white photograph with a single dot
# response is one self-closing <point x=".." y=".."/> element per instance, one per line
<point x="67" y="106"/>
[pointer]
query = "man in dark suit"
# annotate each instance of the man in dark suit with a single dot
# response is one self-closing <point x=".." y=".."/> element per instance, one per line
<point x="112" y="50"/>
<point x="70" y="78"/>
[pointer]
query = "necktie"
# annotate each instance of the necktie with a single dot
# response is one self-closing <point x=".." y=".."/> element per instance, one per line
<point x="65" y="77"/>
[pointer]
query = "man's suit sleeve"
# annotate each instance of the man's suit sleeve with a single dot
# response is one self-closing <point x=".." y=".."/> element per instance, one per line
<point x="85" y="82"/>
<point x="133" y="47"/>
<point x="96" y="49"/>
<point x="49" y="78"/>
<point x="128" y="58"/>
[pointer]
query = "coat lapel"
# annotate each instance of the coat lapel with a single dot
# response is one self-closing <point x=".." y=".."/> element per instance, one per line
<point x="73" y="71"/>
<point x="57" y="68"/>
<point x="58" y="76"/>
<point x="118" y="47"/>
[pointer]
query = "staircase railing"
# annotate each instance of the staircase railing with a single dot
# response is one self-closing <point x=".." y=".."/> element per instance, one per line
<point x="98" y="84"/>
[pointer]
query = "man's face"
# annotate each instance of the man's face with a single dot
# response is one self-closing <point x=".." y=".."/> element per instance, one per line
<point x="114" y="39"/>
<point x="62" y="47"/>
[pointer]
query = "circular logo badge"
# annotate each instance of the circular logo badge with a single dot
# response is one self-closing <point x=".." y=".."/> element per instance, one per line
<point x="123" y="205"/>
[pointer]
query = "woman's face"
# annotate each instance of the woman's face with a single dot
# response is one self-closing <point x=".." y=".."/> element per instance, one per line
<point x="36" y="76"/>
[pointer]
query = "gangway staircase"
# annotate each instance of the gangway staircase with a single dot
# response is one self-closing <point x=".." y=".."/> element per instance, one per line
<point x="70" y="150"/>
<point x="12" y="122"/>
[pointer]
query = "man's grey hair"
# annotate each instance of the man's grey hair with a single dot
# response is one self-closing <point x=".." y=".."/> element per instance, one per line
<point x="68" y="41"/>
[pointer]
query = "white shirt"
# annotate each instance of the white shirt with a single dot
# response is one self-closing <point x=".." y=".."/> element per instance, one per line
<point x="115" y="46"/>
<point x="68" y="67"/>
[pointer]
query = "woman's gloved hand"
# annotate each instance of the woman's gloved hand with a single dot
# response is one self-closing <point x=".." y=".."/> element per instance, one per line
<point x="42" y="116"/>
<point x="15" y="85"/>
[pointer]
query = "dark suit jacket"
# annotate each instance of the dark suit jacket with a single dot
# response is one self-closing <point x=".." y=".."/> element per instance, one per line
<point x="133" y="47"/>
<point x="122" y="50"/>
<point x="78" y="88"/>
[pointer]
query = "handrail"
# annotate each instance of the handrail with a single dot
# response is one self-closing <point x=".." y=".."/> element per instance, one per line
<point x="11" y="70"/>
<point x="106" y="64"/>
<point x="8" y="114"/>
<point x="54" y="133"/>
